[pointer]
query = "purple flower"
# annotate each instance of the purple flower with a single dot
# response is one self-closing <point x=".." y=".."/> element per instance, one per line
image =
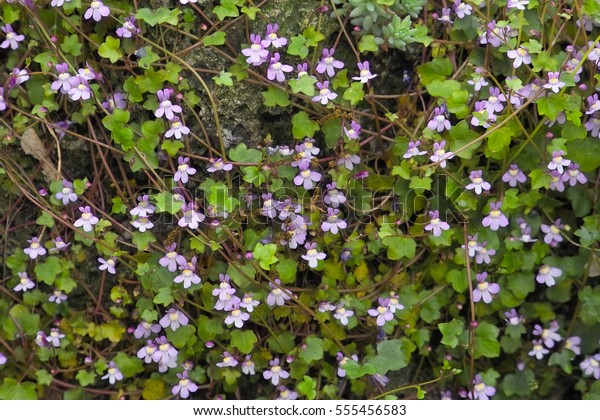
<point x="556" y="183"/>
<point x="413" y="150"/>
<point x="538" y="351"/>
<point x="113" y="373"/>
<point x="573" y="175"/>
<point x="248" y="302"/>
<point x="25" y="283"/>
<point x="108" y="265"/>
<point x="2" y="100"/>
<point x="493" y="103"/>
<point x="333" y="223"/>
<point x="66" y="194"/>
<point x="328" y="64"/>
<point x="187" y="275"/>
<point x="513" y="176"/>
<point x="481" y="391"/>
<point x="96" y="11"/>
<point x="333" y="197"/>
<point x="287" y="209"/>
<point x="41" y="339"/>
<point x="591" y="366"/>
<point x="2" y="359"/>
<point x="383" y="312"/>
<point x="147" y="352"/>
<point x="58" y="3"/>
<point x="558" y="162"/>
<point x="172" y="259"/>
<point x="593" y="103"/>
<point x="165" y="354"/>
<point x="436" y="224"/>
<point x="593" y="126"/>
<point x="554" y="82"/>
<point x="174" y="318"/>
<point x="271" y="37"/>
<point x="477" y="183"/>
<point x="54" y="337"/>
<point x="477" y="79"/>
<point x="439" y="154"/>
<point x="342" y="360"/>
<point x="177" y="129"/>
<point x="472" y="245"/>
<point x="354" y="131"/>
<point x="166" y="107"/>
<point x="517" y="4"/>
<point x="59" y="244"/>
<point x="276" y="69"/>
<point x="184" y="386"/>
<point x="306" y="178"/>
<point x="552" y="237"/>
<point x="18" y="77"/>
<point x="191" y="218"/>
<point x="227" y="360"/>
<point x="80" y="89"/>
<point x="35" y="248"/>
<point x="549" y="335"/>
<point x="12" y="38"/>
<point x="445" y="17"/>
<point x="439" y="122"/>
<point x="183" y="170"/>
<point x="462" y="9"/>
<point x="286" y="394"/>
<point x="144" y="208"/>
<point x="572" y="343"/>
<point x="248" y="366"/>
<point x="496" y="219"/>
<point x="128" y="29"/>
<point x="57" y="297"/>
<point x="494" y="35"/>
<point x="342" y="314"/>
<point x="483" y="254"/>
<point x="142" y="223"/>
<point x="87" y="219"/>
<point x="275" y="373"/>
<point x="348" y="161"/>
<point x="256" y="53"/>
<point x="548" y="275"/>
<point x="218" y="165"/>
<point x="225" y="294"/>
<point x="277" y="296"/>
<point x="394" y="303"/>
<point x="237" y="317"/>
<point x="312" y="255"/>
<point x="145" y="329"/>
<point x="325" y="95"/>
<point x="365" y="74"/>
<point x="446" y="395"/>
<point x="520" y="56"/>
<point x="513" y="318"/>
<point x="484" y="291"/>
<point x="269" y="208"/>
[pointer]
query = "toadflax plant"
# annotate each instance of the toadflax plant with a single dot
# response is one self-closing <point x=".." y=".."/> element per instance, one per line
<point x="429" y="233"/>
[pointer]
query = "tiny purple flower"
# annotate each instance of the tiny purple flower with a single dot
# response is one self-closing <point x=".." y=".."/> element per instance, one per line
<point x="573" y="175"/>
<point x="237" y="317"/>
<point x="191" y="218"/>
<point x="553" y="236"/>
<point x="472" y="245"/>
<point x="439" y="122"/>
<point x="165" y="354"/>
<point x="513" y="176"/>
<point x="218" y="165"/>
<point x="166" y="107"/>
<point x="354" y="131"/>
<point x="572" y="344"/>
<point x="513" y="318"/>
<point x="113" y="373"/>
<point x="271" y="37"/>
<point x="342" y="314"/>
<point x="128" y="30"/>
<point x="483" y="254"/>
<point x="87" y="219"/>
<point x="538" y="351"/>
<point x="256" y="53"/>
<point x="365" y="74"/>
<point x="177" y="130"/>
<point x="413" y="150"/>
<point x="333" y="197"/>
<point x="285" y="394"/>
<point x="57" y="297"/>
<point x="270" y="205"/>
<point x="173" y="319"/>
<point x="484" y="291"/>
<point x="277" y="70"/>
<point x="333" y="223"/>
<point x="325" y="95"/>
<point x="347" y="160"/>
<point x="248" y="302"/>
<point x="591" y="366"/>
<point x="312" y="255"/>
<point x="462" y="9"/>
<point x="184" y="386"/>
<point x="277" y="296"/>
<point x="25" y="283"/>
<point x="342" y="360"/>
<point x="558" y="162"/>
<point x="554" y="83"/>
<point x="307" y="178"/>
<point x="382" y="313"/>
<point x="67" y="194"/>
<point x="548" y="335"/>
<point x="439" y="154"/>
<point x="80" y="89"/>
<point x="248" y="366"/>
<point x="227" y="360"/>
<point x="54" y="337"/>
<point x="477" y="79"/>
<point x="145" y="329"/>
<point x="108" y="265"/>
<point x="328" y="64"/>
<point x="547" y="275"/>
<point x="172" y="259"/>
<point x="481" y="391"/>
<point x="477" y="183"/>
<point x="187" y="275"/>
<point x="12" y="38"/>
<point x="520" y="56"/>
<point x="35" y="248"/>
<point x="275" y="373"/>
<point x="495" y="219"/>
<point x="436" y="225"/>
<point x="96" y="11"/>
<point x="147" y="352"/>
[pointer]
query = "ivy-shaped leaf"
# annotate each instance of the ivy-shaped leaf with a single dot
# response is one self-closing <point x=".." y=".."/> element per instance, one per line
<point x="110" y="49"/>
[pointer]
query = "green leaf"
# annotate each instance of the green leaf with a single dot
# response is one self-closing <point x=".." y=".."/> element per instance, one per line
<point x="228" y="8"/>
<point x="85" y="377"/>
<point x="154" y="17"/>
<point x="367" y="43"/>
<point x="164" y="297"/>
<point x="224" y="78"/>
<point x="275" y="96"/>
<point x="486" y="340"/>
<point x="244" y="341"/>
<point x="154" y="389"/>
<point x="436" y="69"/>
<point x="45" y="219"/>
<point x="172" y="147"/>
<point x="44" y="377"/>
<point x="354" y="370"/>
<point x="562" y="359"/>
<point x="586" y="153"/>
<point x="13" y="390"/>
<point x="287" y="268"/>
<point x="183" y="336"/>
<point x="21" y="320"/>
<point x="165" y="202"/>
<point x="312" y="36"/>
<point x="594" y="393"/>
<point x="129" y="366"/>
<point x="149" y="57"/>
<point x="354" y="93"/>
<point x="120" y="132"/>
<point x="393" y="355"/>
<point x="241" y="280"/>
<point x="71" y="45"/>
<point x="265" y="255"/>
<point x="307" y="387"/>
<point x="451" y="331"/>
<point x="48" y="270"/>
<point x="143" y="239"/>
<point x="399" y="247"/>
<point x="297" y="46"/>
<point x="442" y="88"/>
<point x="250" y="11"/>
<point x="241" y="153"/>
<point x="110" y="49"/>
<point x="118" y="207"/>
<point x="254" y="175"/>
<point x="311" y="350"/>
<point x="590" y="308"/>
<point x="218" y="38"/>
<point x="303" y="126"/>
<point x="282" y="343"/>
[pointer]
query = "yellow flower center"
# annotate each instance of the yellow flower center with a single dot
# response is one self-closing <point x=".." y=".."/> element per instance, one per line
<point x="495" y="214"/>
